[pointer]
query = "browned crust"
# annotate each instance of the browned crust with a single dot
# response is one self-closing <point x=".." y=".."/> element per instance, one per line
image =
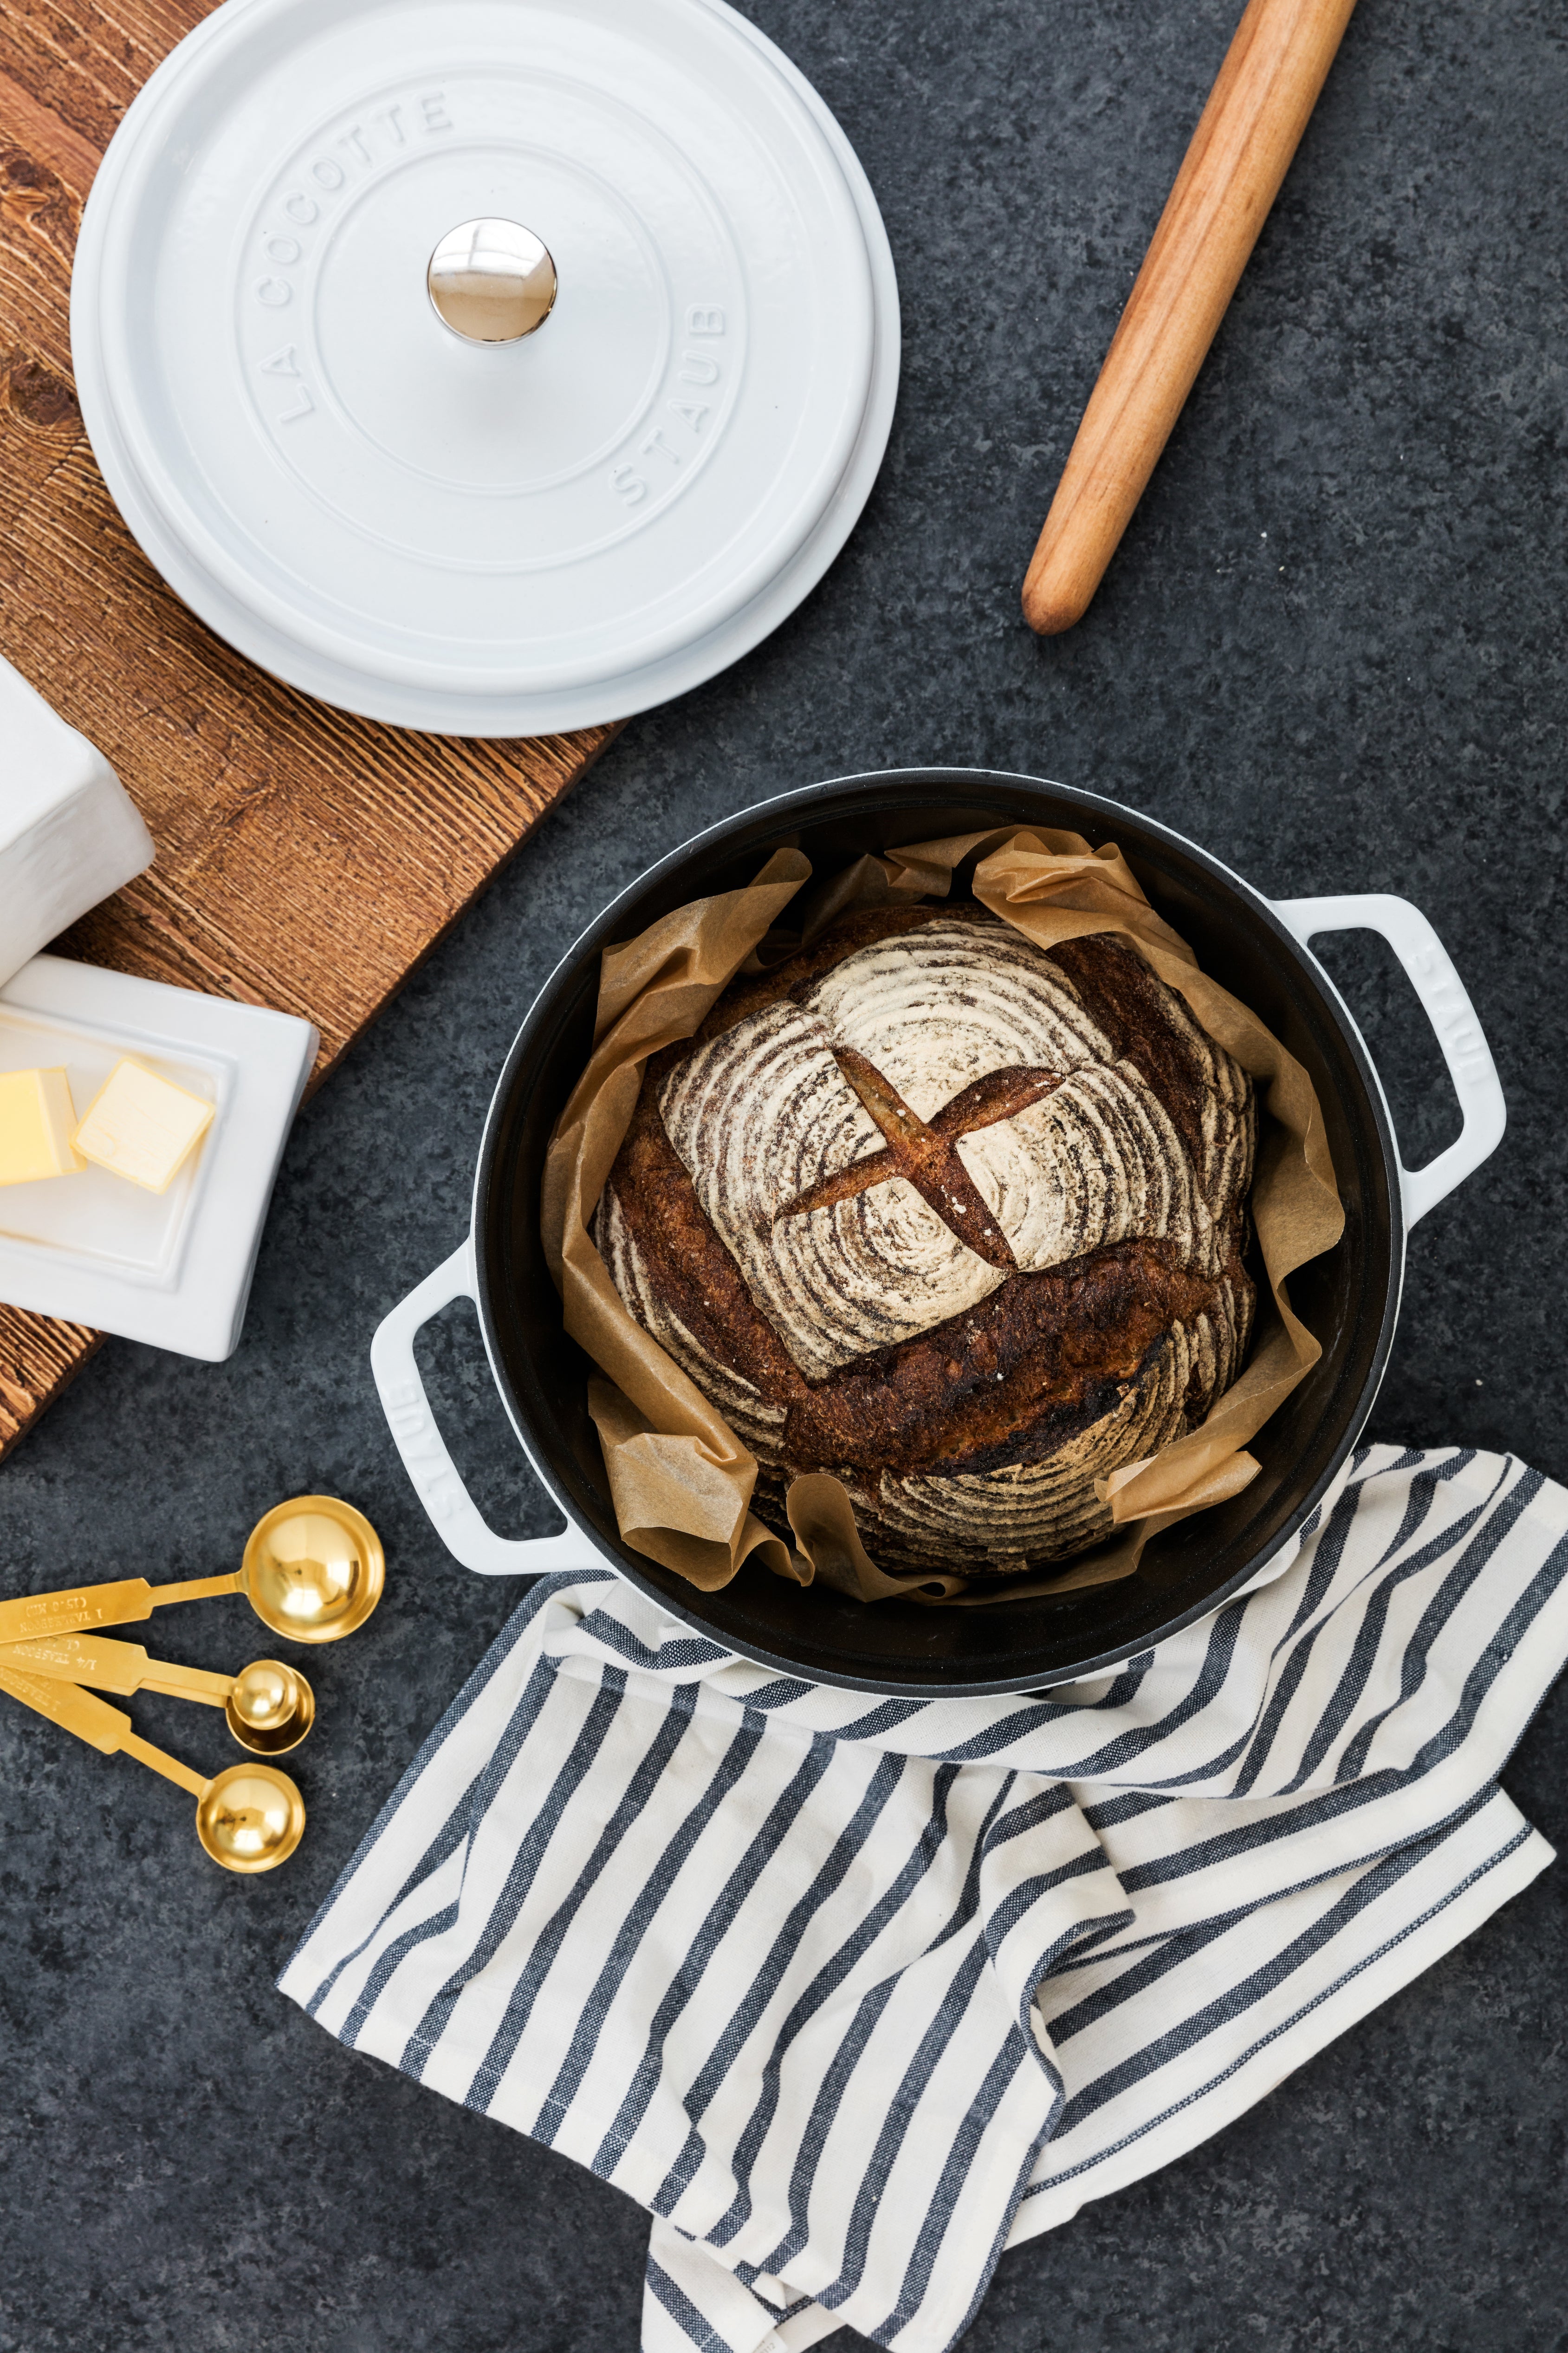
<point x="694" y="1272"/>
<point x="1037" y="1362"/>
<point x="1010" y="1380"/>
<point x="1129" y="1001"/>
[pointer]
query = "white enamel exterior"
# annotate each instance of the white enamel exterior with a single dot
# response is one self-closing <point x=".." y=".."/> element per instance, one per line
<point x="470" y="1538"/>
<point x="485" y="541"/>
<point x="1447" y="1003"/>
<point x="438" y="1484"/>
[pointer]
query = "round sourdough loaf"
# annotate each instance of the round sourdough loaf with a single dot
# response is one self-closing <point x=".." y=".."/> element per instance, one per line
<point x="953" y="1217"/>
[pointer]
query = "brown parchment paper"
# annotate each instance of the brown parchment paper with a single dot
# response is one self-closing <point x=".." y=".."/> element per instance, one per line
<point x="681" y="1480"/>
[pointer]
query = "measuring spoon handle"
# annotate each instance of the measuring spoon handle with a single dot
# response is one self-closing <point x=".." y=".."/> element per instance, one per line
<point x="35" y="1614"/>
<point x="72" y="1610"/>
<point x="105" y="1728"/>
<point x="112" y="1666"/>
<point x="187" y="1683"/>
<point x="195" y="1589"/>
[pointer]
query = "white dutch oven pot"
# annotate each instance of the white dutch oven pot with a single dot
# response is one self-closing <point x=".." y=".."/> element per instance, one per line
<point x="1349" y="1298"/>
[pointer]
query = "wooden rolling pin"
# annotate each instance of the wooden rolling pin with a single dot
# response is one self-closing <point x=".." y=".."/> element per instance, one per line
<point x="1240" y="154"/>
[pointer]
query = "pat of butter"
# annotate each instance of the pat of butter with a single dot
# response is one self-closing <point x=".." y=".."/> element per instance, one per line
<point x="142" y="1126"/>
<point x="37" y="1117"/>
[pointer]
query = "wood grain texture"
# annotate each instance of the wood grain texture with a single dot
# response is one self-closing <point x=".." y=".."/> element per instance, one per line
<point x="1258" y="107"/>
<point x="306" y="859"/>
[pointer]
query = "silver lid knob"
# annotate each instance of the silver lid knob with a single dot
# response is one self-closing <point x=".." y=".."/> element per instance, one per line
<point x="493" y="281"/>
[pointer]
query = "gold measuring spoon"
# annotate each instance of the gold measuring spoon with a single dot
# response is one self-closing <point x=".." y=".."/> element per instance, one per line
<point x="270" y="1707"/>
<point x="313" y="1570"/>
<point x="250" y="1817"/>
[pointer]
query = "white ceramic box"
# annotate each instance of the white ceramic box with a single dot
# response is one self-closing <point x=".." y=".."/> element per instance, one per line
<point x="69" y="832"/>
<point x="173" y="1268"/>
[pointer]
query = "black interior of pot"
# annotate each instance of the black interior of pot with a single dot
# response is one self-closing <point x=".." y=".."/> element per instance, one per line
<point x="1347" y="1298"/>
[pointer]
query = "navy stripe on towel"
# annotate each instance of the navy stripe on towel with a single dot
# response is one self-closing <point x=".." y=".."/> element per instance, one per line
<point x="852" y="1994"/>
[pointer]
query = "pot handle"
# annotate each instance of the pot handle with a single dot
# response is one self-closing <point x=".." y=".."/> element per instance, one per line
<point x="454" y="1513"/>
<point x="1453" y="1018"/>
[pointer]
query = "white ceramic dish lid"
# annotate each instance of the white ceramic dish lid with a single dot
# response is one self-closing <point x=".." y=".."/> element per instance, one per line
<point x="485" y="540"/>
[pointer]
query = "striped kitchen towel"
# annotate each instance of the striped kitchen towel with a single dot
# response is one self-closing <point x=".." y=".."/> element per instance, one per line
<point x="851" y="1994"/>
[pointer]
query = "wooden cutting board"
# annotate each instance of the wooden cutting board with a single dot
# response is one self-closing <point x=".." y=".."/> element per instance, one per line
<point x="306" y="859"/>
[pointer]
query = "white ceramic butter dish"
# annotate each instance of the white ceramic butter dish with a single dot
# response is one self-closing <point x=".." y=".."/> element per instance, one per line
<point x="174" y="1268"/>
<point x="69" y="832"/>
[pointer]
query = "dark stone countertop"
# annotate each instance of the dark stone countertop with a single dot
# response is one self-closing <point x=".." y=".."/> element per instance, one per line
<point x="1331" y="649"/>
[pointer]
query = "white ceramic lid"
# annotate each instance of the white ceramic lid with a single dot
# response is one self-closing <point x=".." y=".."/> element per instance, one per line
<point x="485" y="540"/>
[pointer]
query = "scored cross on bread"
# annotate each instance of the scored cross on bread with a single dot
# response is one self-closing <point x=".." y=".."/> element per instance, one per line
<point x="957" y="1218"/>
<point x="926" y="1156"/>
